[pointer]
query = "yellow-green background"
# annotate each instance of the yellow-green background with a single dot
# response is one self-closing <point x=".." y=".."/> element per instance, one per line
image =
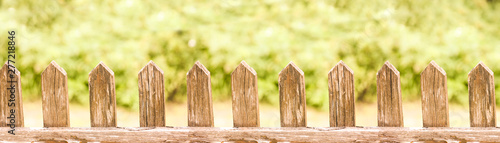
<point x="267" y="34"/>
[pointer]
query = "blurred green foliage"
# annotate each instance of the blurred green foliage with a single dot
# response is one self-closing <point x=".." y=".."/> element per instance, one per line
<point x="267" y="34"/>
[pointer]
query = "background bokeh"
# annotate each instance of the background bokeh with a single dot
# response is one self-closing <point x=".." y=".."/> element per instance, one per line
<point x="267" y="34"/>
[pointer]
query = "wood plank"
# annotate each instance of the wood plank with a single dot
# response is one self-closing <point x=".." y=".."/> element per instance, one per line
<point x="102" y="97"/>
<point x="292" y="97"/>
<point x="55" y="103"/>
<point x="245" y="96"/>
<point x="11" y="99"/>
<point x="341" y="95"/>
<point x="434" y="90"/>
<point x="482" y="97"/>
<point x="390" y="110"/>
<point x="199" y="96"/>
<point x="151" y="96"/>
<point x="208" y="134"/>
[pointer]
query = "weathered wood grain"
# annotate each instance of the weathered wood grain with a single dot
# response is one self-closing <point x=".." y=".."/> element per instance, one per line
<point x="390" y="110"/>
<point x="102" y="97"/>
<point x="55" y="103"/>
<point x="482" y="97"/>
<point x="434" y="92"/>
<point x="298" y="134"/>
<point x="10" y="94"/>
<point x="292" y="97"/>
<point x="341" y="95"/>
<point x="199" y="94"/>
<point x="245" y="96"/>
<point x="151" y="96"/>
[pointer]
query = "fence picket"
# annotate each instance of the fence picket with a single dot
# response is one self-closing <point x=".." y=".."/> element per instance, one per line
<point x="55" y="96"/>
<point x="482" y="97"/>
<point x="434" y="90"/>
<point x="199" y="94"/>
<point x="292" y="96"/>
<point x="102" y="97"/>
<point x="245" y="96"/>
<point x="390" y="110"/>
<point x="6" y="79"/>
<point x="341" y="95"/>
<point x="151" y="96"/>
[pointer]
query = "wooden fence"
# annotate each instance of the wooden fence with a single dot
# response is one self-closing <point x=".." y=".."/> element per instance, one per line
<point x="245" y="109"/>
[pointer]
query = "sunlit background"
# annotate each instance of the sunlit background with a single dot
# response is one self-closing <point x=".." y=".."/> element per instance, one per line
<point x="267" y="34"/>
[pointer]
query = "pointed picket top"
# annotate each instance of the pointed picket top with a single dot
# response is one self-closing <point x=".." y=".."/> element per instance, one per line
<point x="101" y="65"/>
<point x="54" y="65"/>
<point x="388" y="66"/>
<point x="244" y="65"/>
<point x="6" y="67"/>
<point x="433" y="65"/>
<point x="198" y="65"/>
<point x="153" y="65"/>
<point x="481" y="66"/>
<point x="341" y="63"/>
<point x="293" y="67"/>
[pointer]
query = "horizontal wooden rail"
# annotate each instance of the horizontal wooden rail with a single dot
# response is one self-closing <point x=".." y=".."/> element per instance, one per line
<point x="299" y="134"/>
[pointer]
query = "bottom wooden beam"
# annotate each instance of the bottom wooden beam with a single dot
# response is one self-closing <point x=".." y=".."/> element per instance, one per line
<point x="300" y="134"/>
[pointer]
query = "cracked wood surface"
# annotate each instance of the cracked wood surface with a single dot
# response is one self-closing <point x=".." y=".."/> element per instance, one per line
<point x="390" y="110"/>
<point x="199" y="96"/>
<point x="292" y="97"/>
<point x="244" y="91"/>
<point x="55" y="103"/>
<point x="482" y="97"/>
<point x="8" y="76"/>
<point x="341" y="95"/>
<point x="102" y="97"/>
<point x="434" y="90"/>
<point x="151" y="96"/>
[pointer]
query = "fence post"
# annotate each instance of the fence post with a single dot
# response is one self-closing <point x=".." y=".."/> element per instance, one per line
<point x="390" y="111"/>
<point x="199" y="94"/>
<point x="434" y="92"/>
<point x="341" y="95"/>
<point x="482" y="97"/>
<point x="55" y="96"/>
<point x="102" y="97"/>
<point x="151" y="96"/>
<point x="292" y="97"/>
<point x="244" y="91"/>
<point x="9" y="77"/>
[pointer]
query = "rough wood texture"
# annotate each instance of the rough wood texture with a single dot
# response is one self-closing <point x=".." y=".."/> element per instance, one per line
<point x="341" y="95"/>
<point x="102" y="97"/>
<point x="390" y="110"/>
<point x="8" y="76"/>
<point x="482" y="97"/>
<point x="199" y="94"/>
<point x="151" y="96"/>
<point x="55" y="96"/>
<point x="300" y="134"/>
<point x="292" y="97"/>
<point x="434" y="92"/>
<point x="244" y="91"/>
